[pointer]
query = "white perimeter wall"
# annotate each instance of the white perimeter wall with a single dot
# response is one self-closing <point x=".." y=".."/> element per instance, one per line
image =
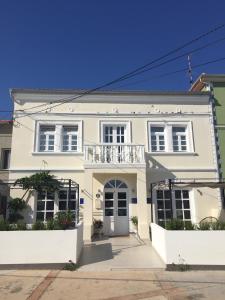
<point x="41" y="247"/>
<point x="189" y="247"/>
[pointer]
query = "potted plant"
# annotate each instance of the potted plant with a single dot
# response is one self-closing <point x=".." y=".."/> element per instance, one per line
<point x="134" y="221"/>
<point x="98" y="227"/>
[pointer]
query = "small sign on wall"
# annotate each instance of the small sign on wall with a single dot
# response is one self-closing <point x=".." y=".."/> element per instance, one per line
<point x="134" y="200"/>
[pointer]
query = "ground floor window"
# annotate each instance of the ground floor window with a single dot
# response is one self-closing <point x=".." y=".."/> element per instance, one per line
<point x="48" y="204"/>
<point x="180" y="206"/>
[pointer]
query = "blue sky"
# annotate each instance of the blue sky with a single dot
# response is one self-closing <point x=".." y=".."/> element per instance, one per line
<point x="82" y="44"/>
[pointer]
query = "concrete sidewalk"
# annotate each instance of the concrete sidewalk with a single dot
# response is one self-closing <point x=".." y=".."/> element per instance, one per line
<point x="119" y="253"/>
<point x="111" y="285"/>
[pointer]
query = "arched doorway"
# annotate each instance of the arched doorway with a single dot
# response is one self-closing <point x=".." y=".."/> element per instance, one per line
<point x="116" y="208"/>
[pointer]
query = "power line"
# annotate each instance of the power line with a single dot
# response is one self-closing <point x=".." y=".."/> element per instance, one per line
<point x="174" y="72"/>
<point x="134" y="72"/>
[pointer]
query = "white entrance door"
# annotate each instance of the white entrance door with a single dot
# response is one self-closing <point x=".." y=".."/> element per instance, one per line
<point x="116" y="203"/>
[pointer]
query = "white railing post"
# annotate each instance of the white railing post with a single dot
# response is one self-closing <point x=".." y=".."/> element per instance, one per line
<point x="114" y="153"/>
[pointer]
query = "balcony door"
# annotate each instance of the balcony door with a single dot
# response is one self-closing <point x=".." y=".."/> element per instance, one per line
<point x="116" y="208"/>
<point x="114" y="134"/>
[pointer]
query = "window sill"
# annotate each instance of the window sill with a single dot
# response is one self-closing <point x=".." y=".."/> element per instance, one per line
<point x="57" y="153"/>
<point x="173" y="153"/>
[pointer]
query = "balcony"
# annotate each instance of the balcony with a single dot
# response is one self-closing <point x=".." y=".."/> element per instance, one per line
<point x="114" y="154"/>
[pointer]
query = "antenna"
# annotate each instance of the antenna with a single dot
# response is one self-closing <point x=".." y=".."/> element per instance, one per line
<point x="190" y="70"/>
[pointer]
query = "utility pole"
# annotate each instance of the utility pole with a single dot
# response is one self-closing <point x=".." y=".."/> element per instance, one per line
<point x="190" y="70"/>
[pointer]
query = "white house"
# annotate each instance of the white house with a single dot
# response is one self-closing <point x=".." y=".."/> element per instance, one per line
<point x="115" y="144"/>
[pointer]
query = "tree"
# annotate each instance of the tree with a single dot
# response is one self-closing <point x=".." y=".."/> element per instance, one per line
<point x="39" y="182"/>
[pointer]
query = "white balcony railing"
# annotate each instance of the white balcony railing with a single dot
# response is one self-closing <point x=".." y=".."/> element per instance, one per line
<point x="114" y="154"/>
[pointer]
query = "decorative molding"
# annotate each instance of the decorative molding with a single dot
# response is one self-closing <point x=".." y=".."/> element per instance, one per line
<point x="47" y="169"/>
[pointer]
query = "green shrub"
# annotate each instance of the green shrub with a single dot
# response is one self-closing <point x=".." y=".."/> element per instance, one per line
<point x="174" y="224"/>
<point x="4" y="225"/>
<point x="218" y="225"/>
<point x="189" y="226"/>
<point x="39" y="226"/>
<point x="204" y="226"/>
<point x="53" y="224"/>
<point x="21" y="226"/>
<point x="15" y="206"/>
<point x="134" y="220"/>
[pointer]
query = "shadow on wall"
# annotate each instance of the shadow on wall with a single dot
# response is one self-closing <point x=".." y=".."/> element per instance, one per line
<point x="157" y="172"/>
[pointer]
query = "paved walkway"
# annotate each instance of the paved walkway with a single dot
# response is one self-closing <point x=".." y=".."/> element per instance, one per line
<point x="111" y="285"/>
<point x="119" y="253"/>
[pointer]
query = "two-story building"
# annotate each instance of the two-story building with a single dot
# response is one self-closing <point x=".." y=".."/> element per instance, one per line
<point x="115" y="145"/>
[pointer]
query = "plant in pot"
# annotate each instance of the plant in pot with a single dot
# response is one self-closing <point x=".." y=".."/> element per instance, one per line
<point x="98" y="227"/>
<point x="65" y="219"/>
<point x="134" y="221"/>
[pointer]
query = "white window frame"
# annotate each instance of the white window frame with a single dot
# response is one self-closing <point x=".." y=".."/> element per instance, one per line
<point x="47" y="134"/>
<point x="127" y="131"/>
<point x="70" y="134"/>
<point x="59" y="137"/>
<point x="191" y="203"/>
<point x="157" y="137"/>
<point x="168" y="125"/>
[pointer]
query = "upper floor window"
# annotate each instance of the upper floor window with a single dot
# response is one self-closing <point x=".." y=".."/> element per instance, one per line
<point x="179" y="138"/>
<point x="6" y="153"/>
<point x="115" y="132"/>
<point x="70" y="138"/>
<point x="59" y="137"/>
<point x="157" y="138"/>
<point x="170" y="137"/>
<point x="47" y="138"/>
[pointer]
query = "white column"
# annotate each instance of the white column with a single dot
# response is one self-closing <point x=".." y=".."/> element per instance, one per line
<point x="88" y="205"/>
<point x="142" y="207"/>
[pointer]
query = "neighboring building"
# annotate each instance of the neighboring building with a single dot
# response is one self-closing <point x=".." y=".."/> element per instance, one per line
<point x="5" y="150"/>
<point x="216" y="85"/>
<point x="115" y="145"/>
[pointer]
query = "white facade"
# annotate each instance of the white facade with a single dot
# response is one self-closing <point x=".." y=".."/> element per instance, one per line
<point x="114" y="145"/>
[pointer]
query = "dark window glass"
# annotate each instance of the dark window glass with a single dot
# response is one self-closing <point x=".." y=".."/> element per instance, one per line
<point x="185" y="194"/>
<point x="41" y="195"/>
<point x="178" y="204"/>
<point x="40" y="216"/>
<point x="179" y="214"/>
<point x="187" y="214"/>
<point x="73" y="195"/>
<point x="167" y="204"/>
<point x="108" y="203"/>
<point x="49" y="215"/>
<point x="109" y="212"/>
<point x="122" y="212"/>
<point x="40" y="205"/>
<point x="50" y="205"/>
<point x="167" y="194"/>
<point x="50" y="196"/>
<point x="122" y="195"/>
<point x="186" y="204"/>
<point x="62" y="205"/>
<point x="160" y="204"/>
<point x="108" y="195"/>
<point x="63" y="195"/>
<point x="168" y="214"/>
<point x="122" y="203"/>
<point x="72" y="205"/>
<point x="160" y="214"/>
<point x="178" y="194"/>
<point x="159" y="194"/>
